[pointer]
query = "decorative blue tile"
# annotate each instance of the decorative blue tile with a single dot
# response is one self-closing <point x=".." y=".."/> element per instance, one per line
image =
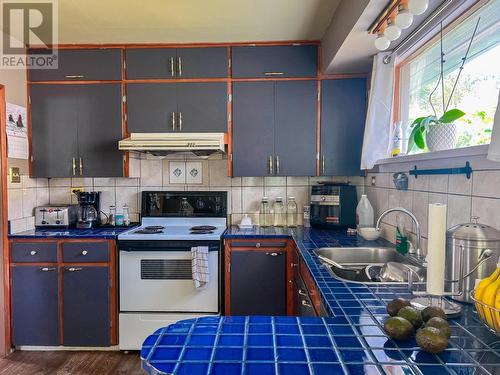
<point x="201" y="340"/>
<point x="328" y="369"/>
<point x="291" y="355"/>
<point x="164" y="354"/>
<point x="226" y="369"/>
<point x="287" y="340"/>
<point x="260" y="354"/>
<point x="362" y="369"/>
<point x="229" y="354"/>
<point x="260" y="340"/>
<point x="314" y="330"/>
<point x="294" y="369"/>
<point x="318" y="341"/>
<point x="322" y="355"/>
<point x="388" y="355"/>
<point x="197" y="354"/>
<point x="165" y="367"/>
<point x="347" y="342"/>
<point x="260" y="328"/>
<point x="259" y="368"/>
<point x="186" y="368"/>
<point x="342" y="330"/>
<point x="170" y="339"/>
<point x="233" y="328"/>
<point x="376" y="341"/>
<point x="205" y="329"/>
<point x="231" y="340"/>
<point x="355" y="355"/>
<point x="287" y="329"/>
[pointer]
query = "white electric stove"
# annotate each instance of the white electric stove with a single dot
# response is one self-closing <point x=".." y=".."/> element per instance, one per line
<point x="156" y="285"/>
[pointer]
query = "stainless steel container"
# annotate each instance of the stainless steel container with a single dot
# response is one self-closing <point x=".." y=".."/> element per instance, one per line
<point x="472" y="252"/>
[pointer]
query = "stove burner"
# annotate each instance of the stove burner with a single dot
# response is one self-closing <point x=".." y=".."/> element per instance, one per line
<point x="147" y="230"/>
<point x="154" y="227"/>
<point x="200" y="232"/>
<point x="203" y="228"/>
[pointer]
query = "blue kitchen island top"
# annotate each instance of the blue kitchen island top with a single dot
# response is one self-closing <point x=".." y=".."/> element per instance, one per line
<point x="349" y="341"/>
<point x="103" y="232"/>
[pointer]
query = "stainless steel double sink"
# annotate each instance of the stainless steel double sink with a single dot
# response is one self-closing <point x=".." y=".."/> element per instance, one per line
<point x="347" y="263"/>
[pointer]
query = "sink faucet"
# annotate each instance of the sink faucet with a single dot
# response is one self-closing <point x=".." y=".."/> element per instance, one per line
<point x="418" y="250"/>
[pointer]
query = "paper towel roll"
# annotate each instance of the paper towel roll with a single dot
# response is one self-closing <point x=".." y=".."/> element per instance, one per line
<point x="436" y="249"/>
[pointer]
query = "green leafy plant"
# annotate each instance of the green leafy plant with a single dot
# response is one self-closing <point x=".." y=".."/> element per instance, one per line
<point x="421" y="125"/>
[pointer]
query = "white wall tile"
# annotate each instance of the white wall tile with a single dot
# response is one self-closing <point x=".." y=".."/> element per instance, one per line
<point x="105" y="182"/>
<point x="28" y="182"/>
<point x="218" y="173"/>
<point x="251" y="197"/>
<point x="175" y="172"/>
<point x="301" y="194"/>
<point x="421" y="209"/>
<point x="420" y="183"/>
<point x="124" y="181"/>
<point x="59" y="182"/>
<point x="108" y="197"/>
<point x="236" y="181"/>
<point x="15" y="204"/>
<point x="273" y="192"/>
<point x="459" y="184"/>
<point x="458" y="210"/>
<point x="297" y="181"/>
<point x="486" y="183"/>
<point x="487" y="210"/>
<point x="236" y="199"/>
<point x="195" y="172"/>
<point x="42" y="196"/>
<point x="60" y="195"/>
<point x="151" y="172"/>
<point x="29" y="201"/>
<point x="438" y="183"/>
<point x="77" y="182"/>
<point x="252" y="181"/>
<point x="18" y="225"/>
<point x="274" y="181"/>
<point x="129" y="196"/>
<point x="42" y="182"/>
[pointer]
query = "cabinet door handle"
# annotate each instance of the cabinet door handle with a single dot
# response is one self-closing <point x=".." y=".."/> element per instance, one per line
<point x="73" y="76"/>
<point x="74" y="166"/>
<point x="270" y="161"/>
<point x="180" y="121"/>
<point x="293" y="265"/>
<point x="277" y="164"/>
<point x="33" y="252"/>
<point x="302" y="292"/>
<point x="173" y="121"/>
<point x="323" y="162"/>
<point x="47" y="269"/>
<point x="81" y="166"/>
<point x="179" y="66"/>
<point x="273" y="73"/>
<point x="74" y="269"/>
<point x="306" y="304"/>
<point x="84" y="252"/>
<point x="273" y="254"/>
<point x="172" y="68"/>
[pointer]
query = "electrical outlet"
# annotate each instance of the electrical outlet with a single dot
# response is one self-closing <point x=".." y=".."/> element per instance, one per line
<point x="14" y="175"/>
<point x="75" y="190"/>
<point x="374" y="181"/>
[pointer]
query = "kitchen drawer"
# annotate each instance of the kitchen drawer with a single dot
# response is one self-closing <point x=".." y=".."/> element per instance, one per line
<point x="33" y="252"/>
<point x="275" y="61"/>
<point x="83" y="252"/>
<point x="259" y="244"/>
<point x="82" y="65"/>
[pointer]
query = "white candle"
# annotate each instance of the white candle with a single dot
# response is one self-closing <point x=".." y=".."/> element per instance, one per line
<point x="436" y="249"/>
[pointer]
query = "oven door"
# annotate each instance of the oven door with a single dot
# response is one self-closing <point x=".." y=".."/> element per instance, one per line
<point x="161" y="281"/>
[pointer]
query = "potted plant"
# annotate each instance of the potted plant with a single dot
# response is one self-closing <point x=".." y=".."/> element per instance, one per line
<point x="439" y="133"/>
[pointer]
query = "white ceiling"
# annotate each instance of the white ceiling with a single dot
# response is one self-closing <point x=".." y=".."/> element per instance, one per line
<point x="184" y="21"/>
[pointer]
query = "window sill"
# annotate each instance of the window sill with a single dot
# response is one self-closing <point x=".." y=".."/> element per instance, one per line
<point x="481" y="150"/>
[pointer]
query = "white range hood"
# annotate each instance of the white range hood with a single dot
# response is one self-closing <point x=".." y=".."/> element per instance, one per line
<point x="200" y="144"/>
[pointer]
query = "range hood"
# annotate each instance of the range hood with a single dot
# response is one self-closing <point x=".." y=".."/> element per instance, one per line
<point x="200" y="144"/>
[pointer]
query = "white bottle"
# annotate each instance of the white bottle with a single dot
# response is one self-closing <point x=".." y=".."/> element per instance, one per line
<point x="364" y="213"/>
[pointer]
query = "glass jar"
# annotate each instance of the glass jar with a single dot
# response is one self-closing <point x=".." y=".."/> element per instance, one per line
<point x="291" y="212"/>
<point x="279" y="212"/>
<point x="112" y="216"/>
<point x="126" y="215"/>
<point x="264" y="212"/>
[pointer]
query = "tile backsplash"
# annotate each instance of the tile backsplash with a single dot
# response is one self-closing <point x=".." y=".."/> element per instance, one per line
<point x="477" y="196"/>
<point x="244" y="193"/>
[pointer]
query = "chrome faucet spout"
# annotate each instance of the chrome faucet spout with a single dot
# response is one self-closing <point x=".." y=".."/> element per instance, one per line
<point x="418" y="250"/>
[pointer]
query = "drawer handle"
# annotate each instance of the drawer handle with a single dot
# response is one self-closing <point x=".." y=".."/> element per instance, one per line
<point x="273" y="73"/>
<point x="306" y="304"/>
<point x="75" y="76"/>
<point x="74" y="269"/>
<point x="257" y="245"/>
<point x="33" y="252"/>
<point x="47" y="269"/>
<point x="273" y="254"/>
<point x="293" y="265"/>
<point x="302" y="292"/>
<point x="84" y="252"/>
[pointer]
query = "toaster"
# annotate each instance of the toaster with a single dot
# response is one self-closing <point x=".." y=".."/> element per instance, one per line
<point x="56" y="216"/>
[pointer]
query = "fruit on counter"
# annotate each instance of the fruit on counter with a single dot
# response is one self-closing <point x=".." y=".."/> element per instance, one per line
<point x="398" y="328"/>
<point x="431" y="340"/>
<point x="440" y="324"/>
<point x="433" y="312"/>
<point x="411" y="314"/>
<point x="489" y="297"/>
<point x="395" y="305"/>
<point x="479" y="292"/>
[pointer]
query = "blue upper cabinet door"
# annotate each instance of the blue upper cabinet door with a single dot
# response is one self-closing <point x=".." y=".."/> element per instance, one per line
<point x="343" y="114"/>
<point x="275" y="61"/>
<point x="210" y="62"/>
<point x="253" y="129"/>
<point x="86" y="318"/>
<point x="152" y="107"/>
<point x="82" y="65"/>
<point x="35" y="307"/>
<point x="202" y="107"/>
<point x="150" y="63"/>
<point x="296" y="118"/>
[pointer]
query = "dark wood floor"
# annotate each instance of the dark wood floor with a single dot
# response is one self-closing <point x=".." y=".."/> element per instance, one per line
<point x="71" y="363"/>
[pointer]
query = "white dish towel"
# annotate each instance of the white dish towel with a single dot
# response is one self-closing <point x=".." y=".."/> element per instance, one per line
<point x="199" y="262"/>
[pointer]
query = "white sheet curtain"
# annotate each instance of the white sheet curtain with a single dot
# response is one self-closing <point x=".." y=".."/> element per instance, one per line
<point x="378" y="126"/>
<point x="494" y="148"/>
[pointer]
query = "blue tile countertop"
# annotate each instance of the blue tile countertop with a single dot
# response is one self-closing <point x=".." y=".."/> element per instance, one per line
<point x="100" y="232"/>
<point x="350" y="341"/>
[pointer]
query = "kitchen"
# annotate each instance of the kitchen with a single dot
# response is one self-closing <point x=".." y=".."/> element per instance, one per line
<point x="244" y="187"/>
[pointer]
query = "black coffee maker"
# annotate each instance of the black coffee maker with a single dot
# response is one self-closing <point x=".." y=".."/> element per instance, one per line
<point x="89" y="209"/>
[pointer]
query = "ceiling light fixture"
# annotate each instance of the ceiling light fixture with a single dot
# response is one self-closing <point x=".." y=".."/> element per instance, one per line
<point x="418" y="6"/>
<point x="404" y="18"/>
<point x="392" y="32"/>
<point x="382" y="43"/>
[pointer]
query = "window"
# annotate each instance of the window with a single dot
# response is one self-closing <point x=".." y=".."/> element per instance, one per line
<point x="476" y="93"/>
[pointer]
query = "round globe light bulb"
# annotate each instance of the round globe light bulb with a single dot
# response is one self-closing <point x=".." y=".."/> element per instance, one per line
<point x="392" y="32"/>
<point x="404" y="19"/>
<point x="418" y="6"/>
<point x="382" y="43"/>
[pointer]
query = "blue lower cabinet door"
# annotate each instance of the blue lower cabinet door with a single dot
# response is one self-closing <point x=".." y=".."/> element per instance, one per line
<point x="35" y="308"/>
<point x="86" y="310"/>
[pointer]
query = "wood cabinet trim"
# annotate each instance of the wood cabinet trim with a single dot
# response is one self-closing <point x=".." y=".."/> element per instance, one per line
<point x="312" y="290"/>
